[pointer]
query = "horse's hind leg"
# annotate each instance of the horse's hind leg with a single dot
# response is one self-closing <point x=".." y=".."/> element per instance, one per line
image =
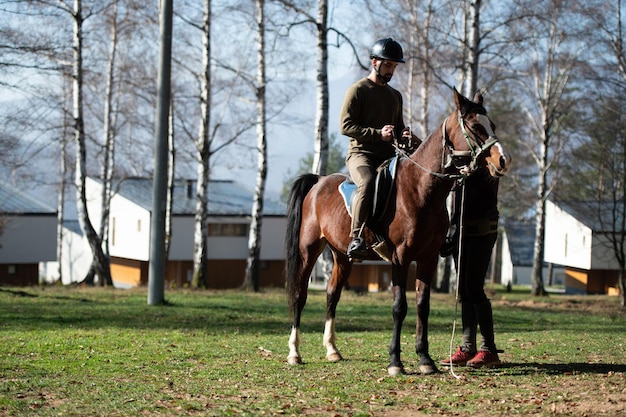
<point x="422" y="294"/>
<point x="298" y="300"/>
<point x="294" y="357"/>
<point x="340" y="274"/>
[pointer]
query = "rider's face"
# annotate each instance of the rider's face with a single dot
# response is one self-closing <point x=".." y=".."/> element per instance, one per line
<point x="385" y="68"/>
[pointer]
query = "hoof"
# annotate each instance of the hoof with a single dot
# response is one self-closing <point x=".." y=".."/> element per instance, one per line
<point x="334" y="357"/>
<point x="395" y="370"/>
<point x="428" y="369"/>
<point x="294" y="360"/>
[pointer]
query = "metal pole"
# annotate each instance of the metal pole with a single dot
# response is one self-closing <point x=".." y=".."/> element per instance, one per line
<point x="156" y="273"/>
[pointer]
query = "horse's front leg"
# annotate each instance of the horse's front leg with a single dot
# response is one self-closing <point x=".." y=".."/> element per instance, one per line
<point x="399" y="311"/>
<point x="340" y="274"/>
<point x="422" y="294"/>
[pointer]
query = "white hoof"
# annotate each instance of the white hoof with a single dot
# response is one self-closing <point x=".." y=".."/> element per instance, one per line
<point x="428" y="369"/>
<point x="395" y="370"/>
<point x="294" y="360"/>
<point x="334" y="357"/>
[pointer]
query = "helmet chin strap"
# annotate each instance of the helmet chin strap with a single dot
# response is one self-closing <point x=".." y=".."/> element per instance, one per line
<point x="380" y="77"/>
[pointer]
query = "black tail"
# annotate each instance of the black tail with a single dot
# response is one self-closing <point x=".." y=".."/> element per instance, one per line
<point x="293" y="262"/>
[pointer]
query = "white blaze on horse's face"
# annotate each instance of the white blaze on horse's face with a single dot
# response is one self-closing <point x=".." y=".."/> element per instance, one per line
<point x="504" y="160"/>
<point x="486" y="124"/>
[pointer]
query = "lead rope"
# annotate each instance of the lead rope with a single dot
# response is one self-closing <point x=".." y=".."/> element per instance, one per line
<point x="458" y="277"/>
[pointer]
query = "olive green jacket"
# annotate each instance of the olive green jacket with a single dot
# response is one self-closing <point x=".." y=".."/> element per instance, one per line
<point x="367" y="107"/>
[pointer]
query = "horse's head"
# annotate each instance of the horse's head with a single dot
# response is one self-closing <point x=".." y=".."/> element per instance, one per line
<point x="473" y="130"/>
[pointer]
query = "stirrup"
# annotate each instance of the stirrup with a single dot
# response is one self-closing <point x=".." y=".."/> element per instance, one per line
<point x="382" y="250"/>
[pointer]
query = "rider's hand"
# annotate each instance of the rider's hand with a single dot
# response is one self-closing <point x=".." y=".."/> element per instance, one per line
<point x="386" y="133"/>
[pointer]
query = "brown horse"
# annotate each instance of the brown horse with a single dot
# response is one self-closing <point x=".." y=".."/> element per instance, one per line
<point x="415" y="225"/>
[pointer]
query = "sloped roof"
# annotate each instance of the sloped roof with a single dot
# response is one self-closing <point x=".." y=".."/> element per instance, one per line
<point x="599" y="217"/>
<point x="225" y="197"/>
<point x="73" y="226"/>
<point x="521" y="237"/>
<point x="14" y="201"/>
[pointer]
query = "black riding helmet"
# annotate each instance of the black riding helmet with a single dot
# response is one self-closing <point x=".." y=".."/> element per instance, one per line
<point x="387" y="49"/>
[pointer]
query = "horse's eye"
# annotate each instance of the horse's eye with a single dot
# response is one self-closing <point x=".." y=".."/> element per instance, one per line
<point x="477" y="127"/>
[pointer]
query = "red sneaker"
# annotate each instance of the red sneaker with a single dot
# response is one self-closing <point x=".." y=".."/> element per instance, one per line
<point x="484" y="359"/>
<point x="459" y="358"/>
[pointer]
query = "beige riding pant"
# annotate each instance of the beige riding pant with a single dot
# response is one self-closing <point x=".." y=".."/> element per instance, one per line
<point x="362" y="170"/>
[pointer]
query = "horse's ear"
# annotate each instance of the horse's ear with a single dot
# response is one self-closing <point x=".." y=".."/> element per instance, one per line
<point x="478" y="97"/>
<point x="457" y="98"/>
<point x="460" y="101"/>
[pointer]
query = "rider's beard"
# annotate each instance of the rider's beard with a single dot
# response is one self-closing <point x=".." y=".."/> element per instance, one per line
<point x="386" y="78"/>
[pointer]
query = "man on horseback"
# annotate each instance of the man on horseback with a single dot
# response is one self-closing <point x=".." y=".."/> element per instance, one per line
<point x="371" y="116"/>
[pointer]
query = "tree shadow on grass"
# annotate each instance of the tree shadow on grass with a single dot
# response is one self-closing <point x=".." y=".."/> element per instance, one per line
<point x="18" y="292"/>
<point x="22" y="293"/>
<point x="561" y="368"/>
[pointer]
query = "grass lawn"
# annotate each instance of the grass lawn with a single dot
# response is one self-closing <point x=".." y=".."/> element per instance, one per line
<point x="105" y="352"/>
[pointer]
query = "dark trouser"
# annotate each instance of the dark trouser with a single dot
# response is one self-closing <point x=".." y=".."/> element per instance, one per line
<point x="473" y="316"/>
<point x="362" y="170"/>
<point x="475" y="306"/>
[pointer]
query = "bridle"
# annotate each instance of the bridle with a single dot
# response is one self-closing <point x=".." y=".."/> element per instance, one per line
<point x="476" y="148"/>
<point x="452" y="158"/>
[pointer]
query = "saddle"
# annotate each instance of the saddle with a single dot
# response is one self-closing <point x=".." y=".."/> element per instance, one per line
<point x="383" y="188"/>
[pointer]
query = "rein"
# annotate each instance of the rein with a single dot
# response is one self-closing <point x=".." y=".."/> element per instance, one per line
<point x="457" y="293"/>
<point x="433" y="173"/>
<point x="402" y="152"/>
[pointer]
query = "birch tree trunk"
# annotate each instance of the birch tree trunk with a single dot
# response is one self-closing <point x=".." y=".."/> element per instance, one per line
<point x="419" y="75"/>
<point x="100" y="260"/>
<point x="61" y="196"/>
<point x="549" y="78"/>
<point x="321" y="154"/>
<point x="251" y="280"/>
<point x="171" y="177"/>
<point x="201" y="232"/>
<point x="537" y="287"/>
<point x="109" y="139"/>
<point x="473" y="49"/>
<point x="320" y="157"/>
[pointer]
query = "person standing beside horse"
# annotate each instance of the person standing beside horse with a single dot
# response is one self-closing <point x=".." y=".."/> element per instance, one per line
<point x="371" y="116"/>
<point x="479" y="233"/>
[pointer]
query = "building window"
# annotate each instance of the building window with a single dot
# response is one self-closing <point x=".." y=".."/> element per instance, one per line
<point x="139" y="225"/>
<point x="11" y="269"/>
<point x="228" y="229"/>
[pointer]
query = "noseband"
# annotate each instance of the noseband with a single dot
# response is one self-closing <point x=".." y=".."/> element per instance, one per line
<point x="476" y="149"/>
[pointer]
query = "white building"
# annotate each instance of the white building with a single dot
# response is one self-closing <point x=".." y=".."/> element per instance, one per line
<point x="229" y="207"/>
<point x="518" y="251"/>
<point x="577" y="237"/>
